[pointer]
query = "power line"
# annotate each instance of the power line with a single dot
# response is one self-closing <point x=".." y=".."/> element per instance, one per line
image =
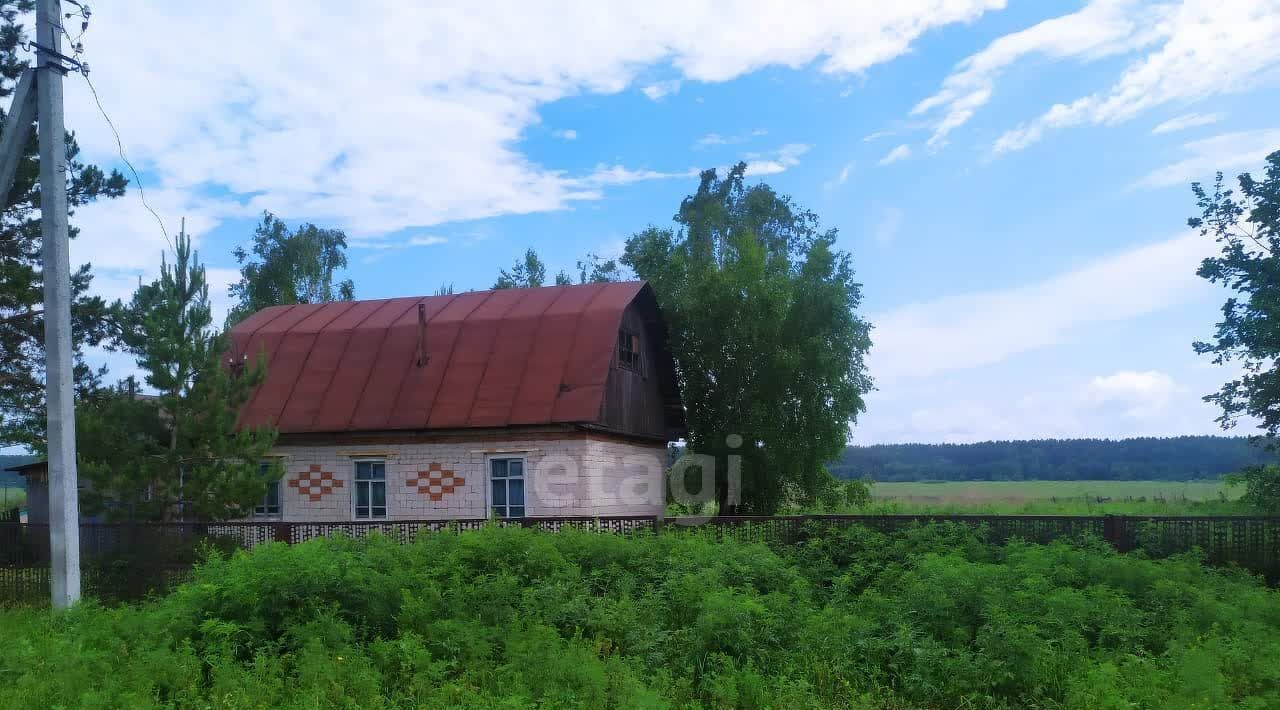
<point x="82" y="69"/>
<point x="120" y="149"/>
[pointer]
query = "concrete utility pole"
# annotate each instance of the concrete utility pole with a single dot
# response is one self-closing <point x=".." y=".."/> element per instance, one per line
<point x="64" y="502"/>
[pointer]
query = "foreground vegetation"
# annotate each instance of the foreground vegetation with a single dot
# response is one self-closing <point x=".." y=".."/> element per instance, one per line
<point x="1059" y="497"/>
<point x="513" y="618"/>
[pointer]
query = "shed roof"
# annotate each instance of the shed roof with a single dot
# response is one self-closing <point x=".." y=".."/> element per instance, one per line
<point x="492" y="359"/>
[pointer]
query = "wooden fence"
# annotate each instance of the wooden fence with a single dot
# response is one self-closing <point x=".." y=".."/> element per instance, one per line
<point x="130" y="560"/>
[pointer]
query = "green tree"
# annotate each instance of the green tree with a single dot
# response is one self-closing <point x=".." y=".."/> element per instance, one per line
<point x="1247" y="229"/>
<point x="202" y="467"/>
<point x="528" y="272"/>
<point x="595" y="269"/>
<point x="22" y="410"/>
<point x="761" y="312"/>
<point x="1261" y="487"/>
<point x="287" y="267"/>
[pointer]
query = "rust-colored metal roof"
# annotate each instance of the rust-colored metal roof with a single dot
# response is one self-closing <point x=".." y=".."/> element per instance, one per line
<point x="494" y="358"/>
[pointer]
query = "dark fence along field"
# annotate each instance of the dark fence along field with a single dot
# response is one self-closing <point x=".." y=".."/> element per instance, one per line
<point x="131" y="560"/>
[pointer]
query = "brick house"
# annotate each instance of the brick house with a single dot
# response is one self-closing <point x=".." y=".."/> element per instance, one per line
<point x="551" y="401"/>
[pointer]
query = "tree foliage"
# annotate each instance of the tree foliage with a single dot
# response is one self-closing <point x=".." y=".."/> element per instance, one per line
<point x="761" y="309"/>
<point x="527" y="272"/>
<point x="1261" y="487"/>
<point x="22" y="411"/>
<point x="1247" y="229"/>
<point x="180" y="452"/>
<point x="286" y="266"/>
<point x="595" y="269"/>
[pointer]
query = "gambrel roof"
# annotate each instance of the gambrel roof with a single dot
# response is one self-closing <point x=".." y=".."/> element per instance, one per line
<point x="488" y="359"/>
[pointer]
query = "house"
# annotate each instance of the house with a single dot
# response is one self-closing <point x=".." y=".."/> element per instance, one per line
<point x="555" y="401"/>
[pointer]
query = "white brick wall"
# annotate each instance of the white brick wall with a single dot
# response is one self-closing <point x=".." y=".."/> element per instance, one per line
<point x="585" y="475"/>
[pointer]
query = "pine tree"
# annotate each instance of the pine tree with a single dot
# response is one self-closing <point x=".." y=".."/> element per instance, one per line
<point x="203" y="467"/>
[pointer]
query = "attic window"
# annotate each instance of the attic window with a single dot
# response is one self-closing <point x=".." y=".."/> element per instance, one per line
<point x="628" y="350"/>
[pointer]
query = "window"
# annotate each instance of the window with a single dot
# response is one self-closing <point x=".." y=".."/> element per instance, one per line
<point x="506" y="485"/>
<point x="628" y="350"/>
<point x="371" y="489"/>
<point x="269" y="506"/>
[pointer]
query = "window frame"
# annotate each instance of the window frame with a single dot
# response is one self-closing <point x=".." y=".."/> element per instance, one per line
<point x="355" y="489"/>
<point x="489" y="506"/>
<point x="260" y="511"/>
<point x="637" y="353"/>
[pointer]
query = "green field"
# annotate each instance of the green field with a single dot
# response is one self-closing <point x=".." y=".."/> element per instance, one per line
<point x="12" y="497"/>
<point x="1049" y="497"/>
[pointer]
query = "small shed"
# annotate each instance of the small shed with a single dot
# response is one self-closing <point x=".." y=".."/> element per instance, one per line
<point x="36" y="474"/>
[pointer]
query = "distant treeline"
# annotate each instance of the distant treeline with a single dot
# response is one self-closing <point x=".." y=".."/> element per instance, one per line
<point x="1180" y="458"/>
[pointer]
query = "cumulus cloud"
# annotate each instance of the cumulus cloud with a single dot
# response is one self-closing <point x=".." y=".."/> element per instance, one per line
<point x="901" y="152"/>
<point x="1119" y="404"/>
<point x="974" y="329"/>
<point x="1239" y="151"/>
<point x="565" y="134"/>
<point x="1205" y="48"/>
<point x="780" y="160"/>
<point x="1139" y="393"/>
<point x="207" y="106"/>
<point x="1187" y="120"/>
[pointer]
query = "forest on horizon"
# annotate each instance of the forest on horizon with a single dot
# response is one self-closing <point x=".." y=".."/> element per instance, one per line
<point x="1179" y="458"/>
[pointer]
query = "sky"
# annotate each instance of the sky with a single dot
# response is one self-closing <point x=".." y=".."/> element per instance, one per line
<point x="1011" y="178"/>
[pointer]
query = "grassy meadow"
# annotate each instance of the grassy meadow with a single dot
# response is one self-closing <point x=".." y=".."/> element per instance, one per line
<point x="1057" y="497"/>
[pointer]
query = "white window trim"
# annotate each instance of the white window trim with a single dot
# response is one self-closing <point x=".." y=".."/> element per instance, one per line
<point x="254" y="514"/>
<point x="386" y="490"/>
<point x="280" y="504"/>
<point x="488" y="481"/>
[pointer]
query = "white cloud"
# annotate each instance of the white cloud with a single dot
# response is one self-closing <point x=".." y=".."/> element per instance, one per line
<point x="886" y="230"/>
<point x="1121" y="404"/>
<point x="619" y="175"/>
<point x="714" y="139"/>
<point x="1139" y="393"/>
<point x="565" y="134"/>
<point x="1206" y="48"/>
<point x="1187" y="120"/>
<point x="974" y="329"/>
<point x="661" y="89"/>
<point x="1227" y="152"/>
<point x="902" y="152"/>
<point x="784" y="158"/>
<point x="1101" y="28"/>
<point x="381" y="244"/>
<point x="206" y="105"/>
<point x="839" y="179"/>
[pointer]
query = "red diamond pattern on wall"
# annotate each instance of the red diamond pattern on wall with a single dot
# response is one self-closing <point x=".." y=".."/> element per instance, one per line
<point x="435" y="482"/>
<point x="315" y="483"/>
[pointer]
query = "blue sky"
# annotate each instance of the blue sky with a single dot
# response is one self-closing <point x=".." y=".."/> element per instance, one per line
<point x="1011" y="178"/>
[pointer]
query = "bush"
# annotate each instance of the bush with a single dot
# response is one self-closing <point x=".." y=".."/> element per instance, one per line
<point x="510" y="617"/>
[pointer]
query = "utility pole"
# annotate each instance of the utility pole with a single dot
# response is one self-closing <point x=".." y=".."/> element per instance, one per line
<point x="64" y="502"/>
